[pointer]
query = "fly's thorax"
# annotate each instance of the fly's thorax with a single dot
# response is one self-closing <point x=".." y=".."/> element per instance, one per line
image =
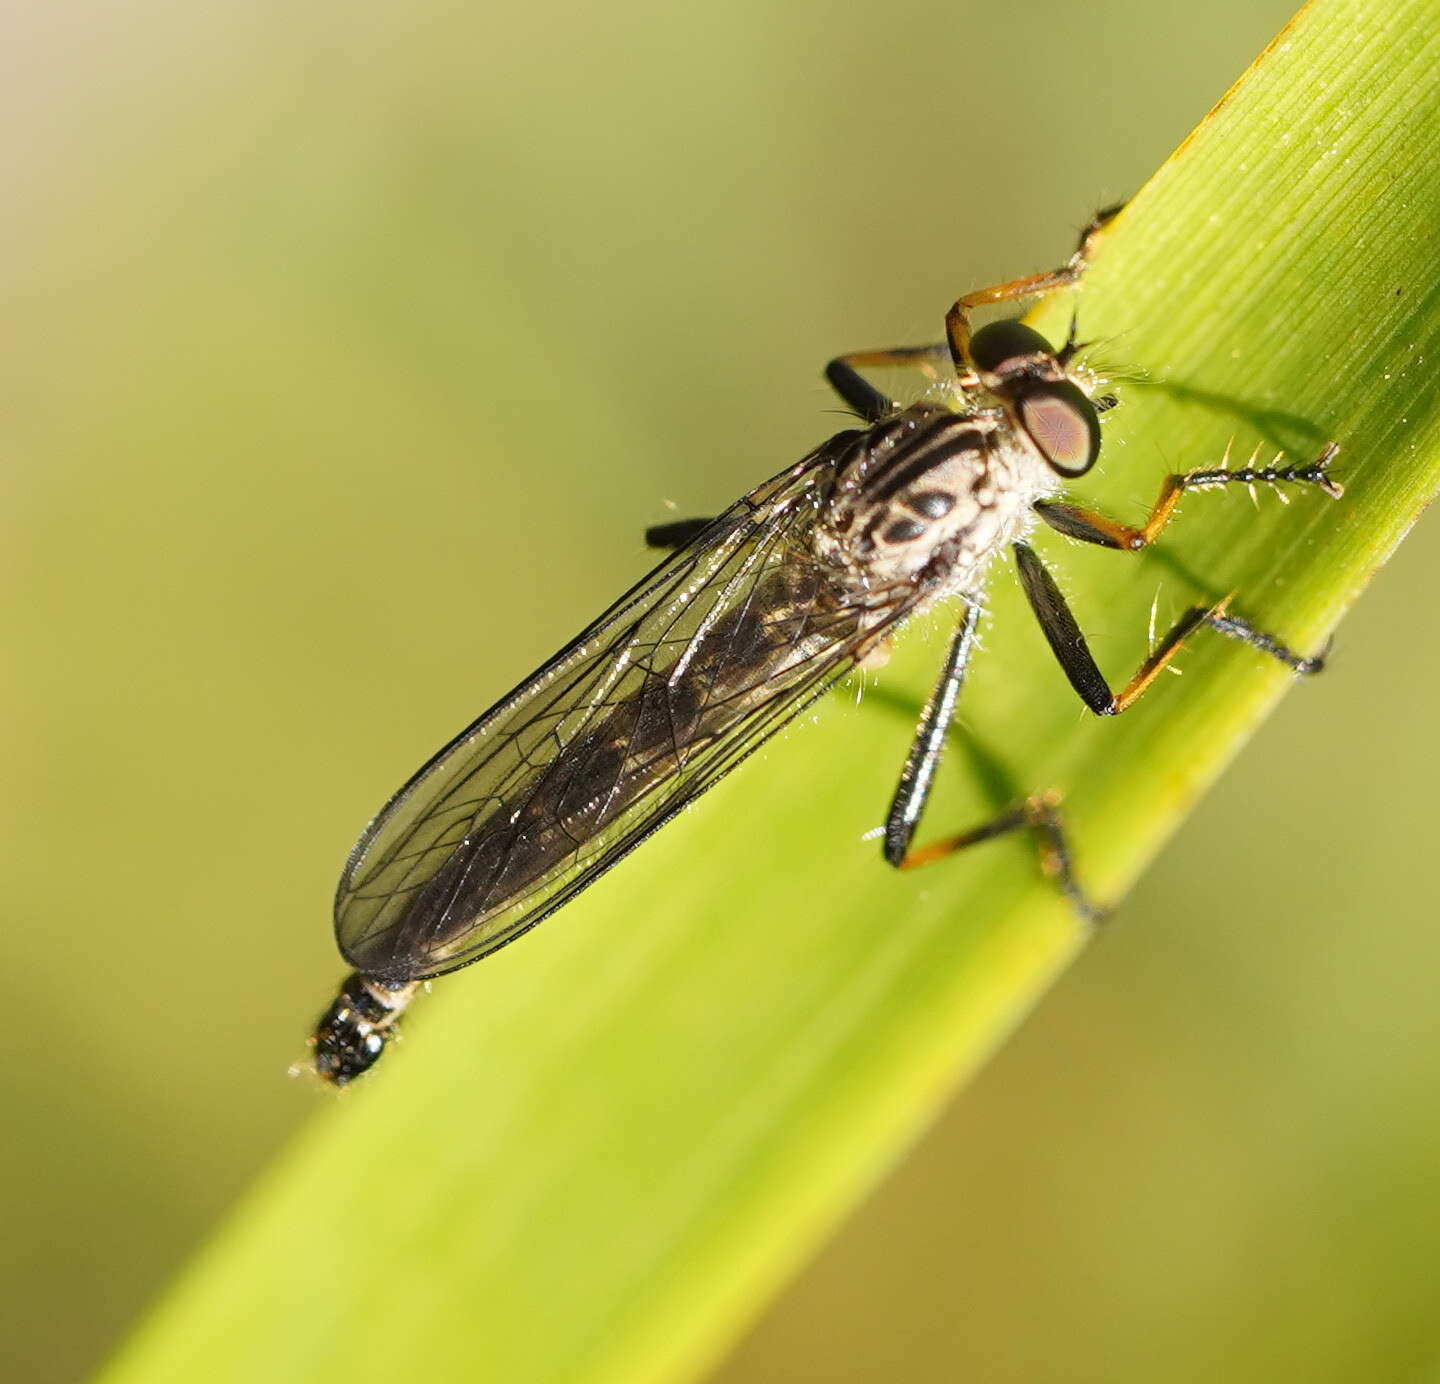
<point x="929" y="492"/>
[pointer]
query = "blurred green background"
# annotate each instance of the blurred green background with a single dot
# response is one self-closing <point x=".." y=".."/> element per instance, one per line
<point x="347" y="353"/>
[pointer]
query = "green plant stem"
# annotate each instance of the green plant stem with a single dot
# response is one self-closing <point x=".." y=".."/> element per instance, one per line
<point x="601" y="1152"/>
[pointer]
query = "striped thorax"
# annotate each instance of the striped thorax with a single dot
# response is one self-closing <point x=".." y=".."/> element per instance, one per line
<point x="930" y="493"/>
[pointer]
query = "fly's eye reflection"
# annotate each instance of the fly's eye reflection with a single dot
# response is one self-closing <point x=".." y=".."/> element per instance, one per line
<point x="1063" y="424"/>
<point x="751" y="616"/>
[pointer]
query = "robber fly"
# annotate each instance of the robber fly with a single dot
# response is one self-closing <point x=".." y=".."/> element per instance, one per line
<point x="751" y="617"/>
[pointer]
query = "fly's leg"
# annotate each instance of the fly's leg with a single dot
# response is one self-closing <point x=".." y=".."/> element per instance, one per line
<point x="1040" y="814"/>
<point x="873" y="404"/>
<point x="870" y="403"/>
<point x="918" y="776"/>
<point x="675" y="534"/>
<point x="957" y="320"/>
<point x="1090" y="527"/>
<point x="1068" y="644"/>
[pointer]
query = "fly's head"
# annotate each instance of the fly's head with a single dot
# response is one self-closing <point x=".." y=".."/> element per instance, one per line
<point x="1044" y="398"/>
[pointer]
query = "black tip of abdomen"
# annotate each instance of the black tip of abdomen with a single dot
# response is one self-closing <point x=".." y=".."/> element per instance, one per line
<point x="355" y="1030"/>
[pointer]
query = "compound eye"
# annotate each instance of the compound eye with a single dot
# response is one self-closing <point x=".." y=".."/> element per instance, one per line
<point x="1063" y="423"/>
<point x="1000" y="347"/>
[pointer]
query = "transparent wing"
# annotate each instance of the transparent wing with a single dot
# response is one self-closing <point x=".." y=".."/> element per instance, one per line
<point x="683" y="677"/>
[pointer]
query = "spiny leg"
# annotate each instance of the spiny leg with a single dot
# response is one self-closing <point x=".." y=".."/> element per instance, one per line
<point x="957" y="320"/>
<point x="1040" y="814"/>
<point x="918" y="775"/>
<point x="1072" y="652"/>
<point x="872" y="404"/>
<point x="1091" y="527"/>
<point x="675" y="534"/>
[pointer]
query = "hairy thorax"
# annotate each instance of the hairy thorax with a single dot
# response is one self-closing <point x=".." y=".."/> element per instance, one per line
<point x="928" y="497"/>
